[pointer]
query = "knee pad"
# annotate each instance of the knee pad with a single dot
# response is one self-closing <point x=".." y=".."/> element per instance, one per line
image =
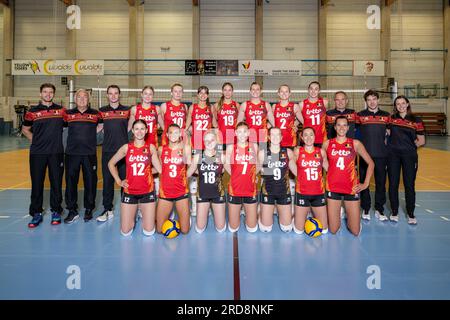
<point x="193" y="205"/>
<point x="292" y="186"/>
<point x="156" y="183"/>
<point x="193" y="185"/>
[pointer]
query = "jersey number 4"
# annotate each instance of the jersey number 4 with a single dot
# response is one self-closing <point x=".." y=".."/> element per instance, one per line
<point x="340" y="163"/>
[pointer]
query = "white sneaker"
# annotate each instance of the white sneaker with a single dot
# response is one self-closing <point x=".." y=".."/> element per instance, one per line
<point x="105" y="216"/>
<point x="380" y="216"/>
<point x="412" y="221"/>
<point x="366" y="215"/>
<point x="394" y="218"/>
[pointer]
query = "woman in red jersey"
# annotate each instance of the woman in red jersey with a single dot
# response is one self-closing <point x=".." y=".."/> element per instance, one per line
<point x="285" y="113"/>
<point x="342" y="179"/>
<point x="307" y="166"/>
<point x="201" y="118"/>
<point x="242" y="165"/>
<point x="173" y="188"/>
<point x="147" y="112"/>
<point x="313" y="112"/>
<point x="226" y="112"/>
<point x="138" y="186"/>
<point x="256" y="112"/>
<point x="173" y="111"/>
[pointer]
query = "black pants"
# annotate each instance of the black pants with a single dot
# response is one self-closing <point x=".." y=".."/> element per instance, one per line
<point x="88" y="164"/>
<point x="38" y="169"/>
<point x="408" y="164"/>
<point x="108" y="180"/>
<point x="380" y="172"/>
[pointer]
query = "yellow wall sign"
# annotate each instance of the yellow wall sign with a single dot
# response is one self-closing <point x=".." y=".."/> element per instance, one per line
<point x="57" y="67"/>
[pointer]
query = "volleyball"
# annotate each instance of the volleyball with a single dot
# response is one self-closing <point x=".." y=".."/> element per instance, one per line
<point x="171" y="228"/>
<point x="313" y="227"/>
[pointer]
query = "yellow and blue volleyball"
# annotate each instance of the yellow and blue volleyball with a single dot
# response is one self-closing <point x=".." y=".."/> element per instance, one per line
<point x="313" y="227"/>
<point x="171" y="228"/>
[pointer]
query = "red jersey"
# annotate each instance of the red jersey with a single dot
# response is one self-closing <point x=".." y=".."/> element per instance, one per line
<point x="309" y="172"/>
<point x="173" y="180"/>
<point x="256" y="118"/>
<point x="174" y="114"/>
<point x="139" y="169"/>
<point x="285" y="120"/>
<point x="226" y="122"/>
<point x="314" y="116"/>
<point x="243" y="172"/>
<point x="150" y="116"/>
<point x="201" y="122"/>
<point x="341" y="176"/>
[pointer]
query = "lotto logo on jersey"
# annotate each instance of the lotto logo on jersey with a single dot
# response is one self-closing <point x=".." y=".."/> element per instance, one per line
<point x="256" y="112"/>
<point x="138" y="158"/>
<point x="342" y="153"/>
<point x="313" y="111"/>
<point x="311" y="164"/>
<point x="317" y="156"/>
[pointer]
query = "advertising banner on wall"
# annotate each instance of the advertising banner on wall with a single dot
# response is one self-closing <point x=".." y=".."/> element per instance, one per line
<point x="368" y="68"/>
<point x="211" y="67"/>
<point x="270" y="68"/>
<point x="57" y="67"/>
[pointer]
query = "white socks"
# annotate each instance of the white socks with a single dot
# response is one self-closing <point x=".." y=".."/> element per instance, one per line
<point x="251" y="230"/>
<point x="198" y="230"/>
<point x="231" y="229"/>
<point x="264" y="228"/>
<point x="223" y="229"/>
<point x="126" y="234"/>
<point x="296" y="230"/>
<point x="148" y="233"/>
<point x="287" y="228"/>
